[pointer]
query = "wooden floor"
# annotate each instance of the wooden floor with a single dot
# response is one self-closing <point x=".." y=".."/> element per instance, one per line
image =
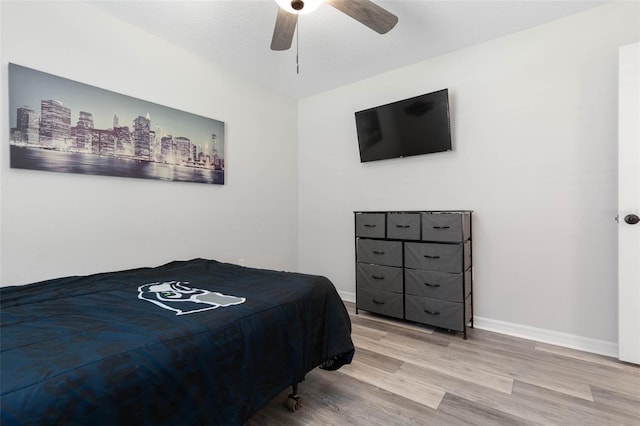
<point x="408" y="375"/>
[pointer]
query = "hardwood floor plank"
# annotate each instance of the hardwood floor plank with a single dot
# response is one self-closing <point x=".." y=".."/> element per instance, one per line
<point x="622" y="404"/>
<point x="438" y="359"/>
<point x="584" y="356"/>
<point x="486" y="341"/>
<point x="609" y="374"/>
<point x="525" y="408"/>
<point x="418" y="333"/>
<point x="471" y="413"/>
<point x="369" y="332"/>
<point x="419" y="391"/>
<point x="551" y="378"/>
<point x="332" y="398"/>
<point x="539" y="368"/>
<point x="379" y="361"/>
<point x="556" y="408"/>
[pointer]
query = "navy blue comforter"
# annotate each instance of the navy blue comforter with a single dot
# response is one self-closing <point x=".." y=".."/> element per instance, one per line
<point x="196" y="342"/>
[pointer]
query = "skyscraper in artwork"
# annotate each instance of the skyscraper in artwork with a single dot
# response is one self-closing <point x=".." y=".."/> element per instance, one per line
<point x="28" y="125"/>
<point x="140" y="136"/>
<point x="55" y="124"/>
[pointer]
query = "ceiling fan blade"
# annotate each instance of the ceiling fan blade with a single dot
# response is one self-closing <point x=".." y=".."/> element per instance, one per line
<point x="367" y="13"/>
<point x="283" y="32"/>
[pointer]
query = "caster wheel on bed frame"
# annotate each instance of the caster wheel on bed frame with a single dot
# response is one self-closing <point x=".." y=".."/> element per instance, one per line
<point x="294" y="402"/>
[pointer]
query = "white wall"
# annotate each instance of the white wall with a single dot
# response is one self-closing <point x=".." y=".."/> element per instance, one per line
<point x="56" y="224"/>
<point x="534" y="132"/>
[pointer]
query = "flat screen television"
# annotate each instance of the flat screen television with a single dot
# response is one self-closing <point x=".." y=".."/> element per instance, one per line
<point x="414" y="126"/>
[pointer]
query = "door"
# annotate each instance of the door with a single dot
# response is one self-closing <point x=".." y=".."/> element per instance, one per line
<point x="629" y="204"/>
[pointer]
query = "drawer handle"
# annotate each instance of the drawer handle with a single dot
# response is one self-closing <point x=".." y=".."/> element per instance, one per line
<point x="378" y="252"/>
<point x="377" y="302"/>
<point x="432" y="313"/>
<point x="431" y="257"/>
<point x="375" y="277"/>
<point x="367" y="225"/>
<point x="403" y="226"/>
<point x="432" y="285"/>
<point x="441" y="227"/>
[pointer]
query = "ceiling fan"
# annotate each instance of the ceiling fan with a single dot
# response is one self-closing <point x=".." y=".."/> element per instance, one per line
<point x="363" y="11"/>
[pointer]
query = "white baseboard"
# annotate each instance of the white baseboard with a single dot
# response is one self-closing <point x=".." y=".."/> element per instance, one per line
<point x="566" y="340"/>
<point x="347" y="296"/>
<point x="586" y="344"/>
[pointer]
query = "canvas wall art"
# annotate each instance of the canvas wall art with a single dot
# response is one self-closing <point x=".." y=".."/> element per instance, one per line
<point x="62" y="125"/>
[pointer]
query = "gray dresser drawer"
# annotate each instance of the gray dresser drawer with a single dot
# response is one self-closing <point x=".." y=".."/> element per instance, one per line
<point x="387" y="253"/>
<point x="387" y="278"/>
<point x="370" y="225"/>
<point x="446" y="227"/>
<point x="380" y="302"/>
<point x="437" y="257"/>
<point x="403" y="226"/>
<point x="436" y="312"/>
<point x="439" y="285"/>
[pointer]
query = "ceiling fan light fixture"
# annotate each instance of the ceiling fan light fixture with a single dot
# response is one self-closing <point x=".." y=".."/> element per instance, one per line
<point x="299" y="7"/>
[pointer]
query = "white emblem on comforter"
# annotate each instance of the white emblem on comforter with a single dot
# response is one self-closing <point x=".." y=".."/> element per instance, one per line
<point x="178" y="297"/>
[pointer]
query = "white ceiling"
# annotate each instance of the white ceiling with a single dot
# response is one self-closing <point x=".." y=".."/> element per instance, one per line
<point x="334" y="50"/>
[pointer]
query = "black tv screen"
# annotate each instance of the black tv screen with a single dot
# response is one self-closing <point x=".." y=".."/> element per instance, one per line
<point x="418" y="125"/>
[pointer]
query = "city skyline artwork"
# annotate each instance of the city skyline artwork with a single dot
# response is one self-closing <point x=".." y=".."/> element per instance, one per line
<point x="61" y="125"/>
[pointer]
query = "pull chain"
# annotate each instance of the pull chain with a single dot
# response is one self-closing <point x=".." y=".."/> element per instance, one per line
<point x="297" y="46"/>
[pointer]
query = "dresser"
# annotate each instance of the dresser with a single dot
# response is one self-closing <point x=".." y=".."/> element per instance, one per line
<point x="416" y="266"/>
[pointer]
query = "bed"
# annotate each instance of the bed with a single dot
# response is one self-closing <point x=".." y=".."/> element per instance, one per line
<point x="190" y="342"/>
